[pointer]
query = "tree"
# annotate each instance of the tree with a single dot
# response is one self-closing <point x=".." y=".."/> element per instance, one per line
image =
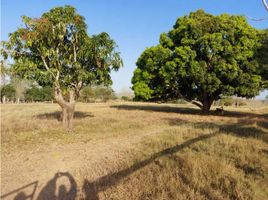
<point x="8" y="92"/>
<point x="93" y="93"/>
<point x="227" y="101"/>
<point x="4" y="73"/>
<point x="87" y="94"/>
<point x="104" y="93"/>
<point x="20" y="86"/>
<point x="262" y="57"/>
<point x="56" y="50"/>
<point x="201" y="59"/>
<point x="39" y="94"/>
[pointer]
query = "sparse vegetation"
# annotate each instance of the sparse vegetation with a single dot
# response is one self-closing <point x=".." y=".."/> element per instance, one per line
<point x="165" y="151"/>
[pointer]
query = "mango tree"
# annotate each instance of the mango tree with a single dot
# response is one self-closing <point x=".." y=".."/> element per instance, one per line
<point x="201" y="59"/>
<point x="56" y="50"/>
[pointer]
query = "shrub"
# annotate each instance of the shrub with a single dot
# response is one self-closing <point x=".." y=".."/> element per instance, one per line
<point x="9" y="92"/>
<point x="226" y="101"/>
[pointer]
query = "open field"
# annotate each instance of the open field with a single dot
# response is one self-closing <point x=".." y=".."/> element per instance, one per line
<point x="134" y="151"/>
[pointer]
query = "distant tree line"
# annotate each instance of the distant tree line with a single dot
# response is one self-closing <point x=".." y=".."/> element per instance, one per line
<point x="9" y="93"/>
<point x="98" y="93"/>
<point x="32" y="93"/>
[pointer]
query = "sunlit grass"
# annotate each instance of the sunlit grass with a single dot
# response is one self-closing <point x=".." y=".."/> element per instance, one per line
<point x="149" y="151"/>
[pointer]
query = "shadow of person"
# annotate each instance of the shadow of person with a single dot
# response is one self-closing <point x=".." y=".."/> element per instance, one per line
<point x="20" y="196"/>
<point x="62" y="192"/>
<point x="49" y="191"/>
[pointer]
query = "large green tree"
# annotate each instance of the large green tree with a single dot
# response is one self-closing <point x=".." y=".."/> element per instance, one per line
<point x="202" y="58"/>
<point x="262" y="56"/>
<point x="56" y="50"/>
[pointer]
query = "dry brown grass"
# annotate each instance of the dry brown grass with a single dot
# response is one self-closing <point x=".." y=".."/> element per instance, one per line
<point x="137" y="151"/>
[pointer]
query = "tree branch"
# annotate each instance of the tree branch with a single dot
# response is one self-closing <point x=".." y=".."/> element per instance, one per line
<point x="46" y="66"/>
<point x="197" y="104"/>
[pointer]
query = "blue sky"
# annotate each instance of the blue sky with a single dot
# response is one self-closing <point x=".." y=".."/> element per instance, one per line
<point x="133" y="24"/>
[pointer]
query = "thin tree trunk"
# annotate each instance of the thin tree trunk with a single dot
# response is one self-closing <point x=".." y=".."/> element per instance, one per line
<point x="4" y="99"/>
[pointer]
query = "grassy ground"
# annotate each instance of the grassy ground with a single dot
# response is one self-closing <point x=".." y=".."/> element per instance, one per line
<point x="134" y="151"/>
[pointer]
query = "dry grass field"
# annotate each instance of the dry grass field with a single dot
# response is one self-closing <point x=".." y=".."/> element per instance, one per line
<point x="133" y="151"/>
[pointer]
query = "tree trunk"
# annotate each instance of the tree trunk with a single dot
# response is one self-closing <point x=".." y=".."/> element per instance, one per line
<point x="67" y="108"/>
<point x="206" y="107"/>
<point x="4" y="99"/>
<point x="207" y="102"/>
<point x="67" y="116"/>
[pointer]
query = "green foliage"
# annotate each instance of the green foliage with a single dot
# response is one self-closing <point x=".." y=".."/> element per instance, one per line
<point x="39" y="94"/>
<point x="94" y="93"/>
<point x="55" y="49"/>
<point x="180" y="101"/>
<point x="20" y="86"/>
<point x="9" y="92"/>
<point x="201" y="58"/>
<point x="240" y="102"/>
<point x="126" y="98"/>
<point x="227" y="101"/>
<point x="262" y="56"/>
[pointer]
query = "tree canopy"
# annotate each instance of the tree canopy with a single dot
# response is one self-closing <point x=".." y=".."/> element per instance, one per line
<point x="202" y="58"/>
<point x="39" y="94"/>
<point x="9" y="92"/>
<point x="56" y="50"/>
<point x="262" y="57"/>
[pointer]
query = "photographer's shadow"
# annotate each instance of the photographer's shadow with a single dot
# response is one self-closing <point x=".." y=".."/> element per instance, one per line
<point x="50" y="190"/>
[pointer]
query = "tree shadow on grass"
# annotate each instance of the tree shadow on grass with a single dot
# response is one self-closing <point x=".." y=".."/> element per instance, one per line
<point x="243" y="128"/>
<point x="57" y="115"/>
<point x="183" y="110"/>
<point x="92" y="189"/>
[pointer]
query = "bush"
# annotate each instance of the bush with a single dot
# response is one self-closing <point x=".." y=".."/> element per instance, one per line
<point x="9" y="92"/>
<point x="181" y="101"/>
<point x="226" y="101"/>
<point x="39" y="94"/>
<point x="126" y="98"/>
<point x="94" y="93"/>
<point x="240" y="102"/>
